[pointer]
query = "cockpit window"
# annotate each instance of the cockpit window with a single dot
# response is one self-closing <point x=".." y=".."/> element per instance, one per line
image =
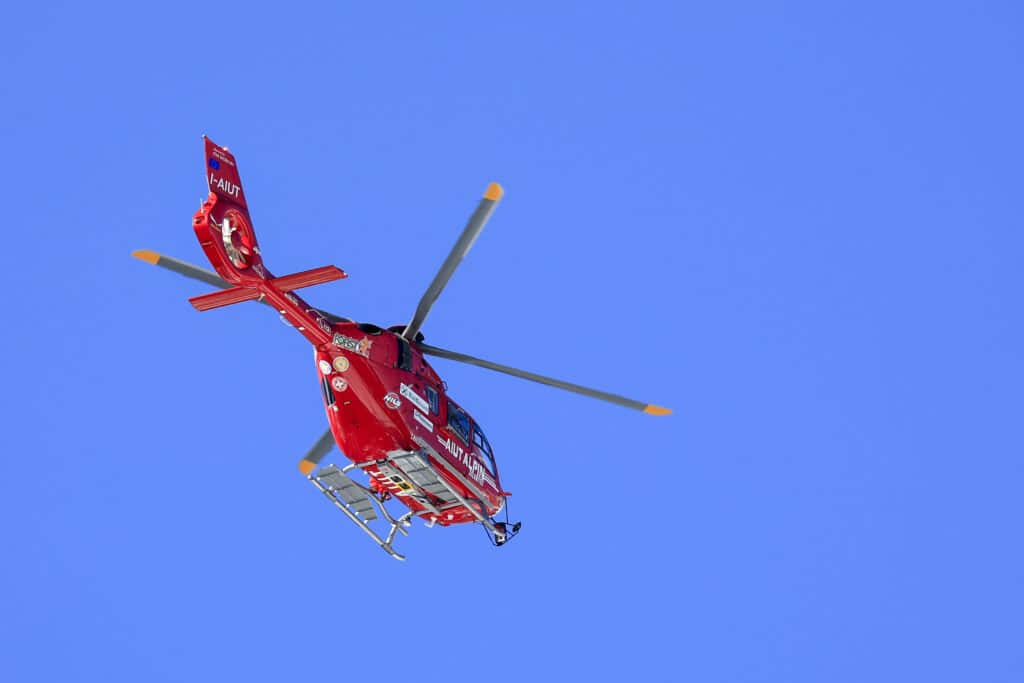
<point x="458" y="421"/>
<point x="432" y="399"/>
<point x="481" y="441"/>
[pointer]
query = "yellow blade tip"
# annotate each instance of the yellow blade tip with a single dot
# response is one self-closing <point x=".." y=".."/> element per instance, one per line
<point x="306" y="467"/>
<point x="494" y="192"/>
<point x="657" y="410"/>
<point x="146" y="255"/>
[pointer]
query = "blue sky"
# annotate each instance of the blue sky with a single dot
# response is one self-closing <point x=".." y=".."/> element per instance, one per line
<point x="797" y="225"/>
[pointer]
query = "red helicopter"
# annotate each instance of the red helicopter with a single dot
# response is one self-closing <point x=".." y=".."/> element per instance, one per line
<point x="388" y="410"/>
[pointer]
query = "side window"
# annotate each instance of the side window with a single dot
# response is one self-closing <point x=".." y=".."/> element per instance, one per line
<point x="458" y="421"/>
<point x="432" y="399"/>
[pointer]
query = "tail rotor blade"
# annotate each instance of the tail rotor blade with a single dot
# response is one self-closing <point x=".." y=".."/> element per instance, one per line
<point x="462" y="246"/>
<point x="312" y="458"/>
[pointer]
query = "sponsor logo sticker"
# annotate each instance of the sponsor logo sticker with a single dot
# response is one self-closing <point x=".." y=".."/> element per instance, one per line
<point x="414" y="398"/>
<point x="325" y="367"/>
<point x="341" y="364"/>
<point x="392" y="401"/>
<point x="360" y="346"/>
<point x="422" y="419"/>
<point x="339" y="383"/>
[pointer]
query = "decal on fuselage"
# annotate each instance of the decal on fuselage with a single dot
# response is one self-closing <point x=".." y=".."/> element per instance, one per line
<point x="392" y="401"/>
<point x="226" y="186"/>
<point x="390" y="476"/>
<point x="221" y="156"/>
<point x="423" y="420"/>
<point x="414" y="398"/>
<point x="360" y="346"/>
<point x="477" y="472"/>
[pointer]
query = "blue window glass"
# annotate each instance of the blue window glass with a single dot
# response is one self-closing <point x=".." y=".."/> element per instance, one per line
<point x="458" y="421"/>
<point x="432" y="399"/>
<point x="485" y="447"/>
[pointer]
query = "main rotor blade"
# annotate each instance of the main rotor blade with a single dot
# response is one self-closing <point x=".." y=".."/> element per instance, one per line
<point x="203" y="275"/>
<point x="648" y="408"/>
<point x="462" y="246"/>
<point x="322" y="447"/>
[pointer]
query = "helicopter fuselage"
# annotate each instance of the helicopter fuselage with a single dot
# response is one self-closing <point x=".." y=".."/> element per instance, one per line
<point x="382" y="398"/>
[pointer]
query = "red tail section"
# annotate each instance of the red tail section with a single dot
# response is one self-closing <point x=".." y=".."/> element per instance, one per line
<point x="225" y="233"/>
<point x="225" y="297"/>
<point x="223" y="225"/>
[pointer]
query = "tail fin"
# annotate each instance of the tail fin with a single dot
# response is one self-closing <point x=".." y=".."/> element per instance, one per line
<point x="222" y="223"/>
<point x="225" y="233"/>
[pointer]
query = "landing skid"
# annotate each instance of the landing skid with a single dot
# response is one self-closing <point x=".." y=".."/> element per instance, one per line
<point x="419" y="480"/>
<point x="357" y="503"/>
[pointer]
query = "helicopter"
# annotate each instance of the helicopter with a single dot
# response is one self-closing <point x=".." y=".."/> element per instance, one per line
<point x="388" y="410"/>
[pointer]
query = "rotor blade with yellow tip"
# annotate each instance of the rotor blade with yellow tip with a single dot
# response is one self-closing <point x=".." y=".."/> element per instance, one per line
<point x="657" y="410"/>
<point x="312" y="458"/>
<point x="462" y="246"/>
<point x="648" y="408"/>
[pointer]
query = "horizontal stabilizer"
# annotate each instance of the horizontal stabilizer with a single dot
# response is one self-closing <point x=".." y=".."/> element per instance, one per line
<point x="236" y="295"/>
<point x="308" y="278"/>
<point x="225" y="297"/>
